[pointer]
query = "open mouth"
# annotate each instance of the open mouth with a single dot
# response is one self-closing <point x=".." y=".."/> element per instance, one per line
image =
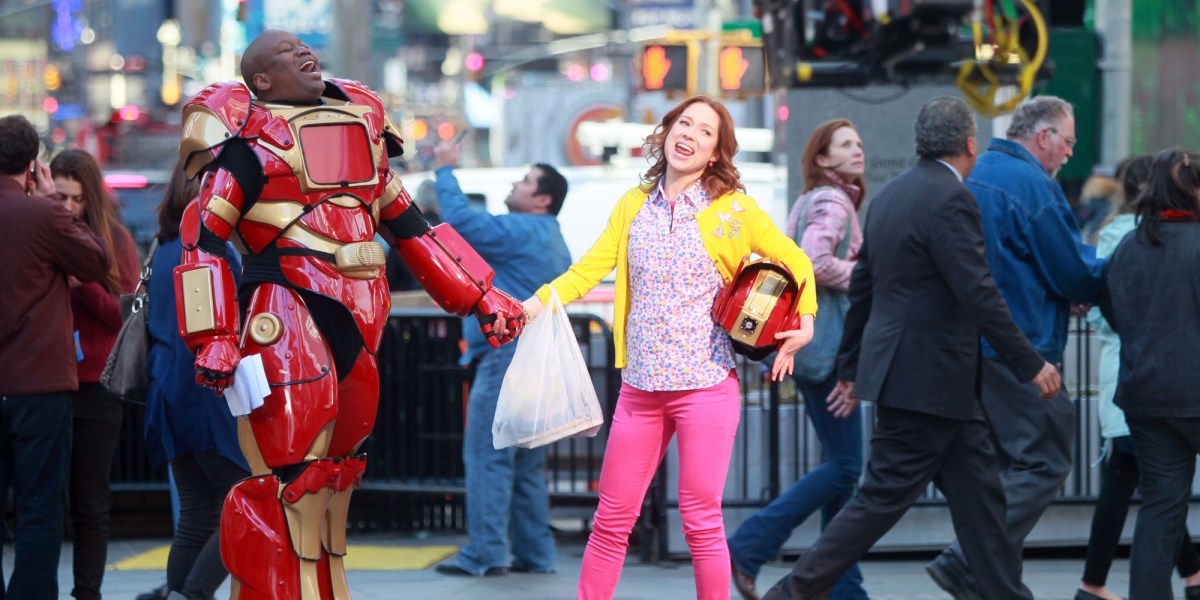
<point x="684" y="150"/>
<point x="309" y="66"/>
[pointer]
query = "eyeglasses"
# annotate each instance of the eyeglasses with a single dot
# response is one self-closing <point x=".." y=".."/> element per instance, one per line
<point x="1069" y="140"/>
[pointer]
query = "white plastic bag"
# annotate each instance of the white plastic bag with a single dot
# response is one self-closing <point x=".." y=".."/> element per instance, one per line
<point x="547" y="393"/>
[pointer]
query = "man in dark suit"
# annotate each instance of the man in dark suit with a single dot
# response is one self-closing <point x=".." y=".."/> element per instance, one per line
<point x="920" y="297"/>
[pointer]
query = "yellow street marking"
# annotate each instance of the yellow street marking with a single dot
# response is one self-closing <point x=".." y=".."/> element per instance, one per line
<point x="358" y="558"/>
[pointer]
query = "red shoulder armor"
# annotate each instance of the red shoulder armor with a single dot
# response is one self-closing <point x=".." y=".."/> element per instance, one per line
<point x="212" y="117"/>
<point x="359" y="93"/>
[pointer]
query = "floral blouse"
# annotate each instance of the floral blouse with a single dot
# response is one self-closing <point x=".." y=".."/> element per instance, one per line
<point x="673" y="343"/>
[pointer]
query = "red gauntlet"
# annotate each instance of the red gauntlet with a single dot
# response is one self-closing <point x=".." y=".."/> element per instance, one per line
<point x="496" y="303"/>
<point x="216" y="361"/>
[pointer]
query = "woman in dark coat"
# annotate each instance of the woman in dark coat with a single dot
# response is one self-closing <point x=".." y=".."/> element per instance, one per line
<point x="185" y="423"/>
<point x="1153" y="303"/>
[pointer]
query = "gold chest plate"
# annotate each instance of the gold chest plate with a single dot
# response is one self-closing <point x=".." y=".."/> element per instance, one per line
<point x="331" y="146"/>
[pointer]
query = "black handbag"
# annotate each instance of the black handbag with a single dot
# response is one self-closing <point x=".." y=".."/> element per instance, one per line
<point x="125" y="370"/>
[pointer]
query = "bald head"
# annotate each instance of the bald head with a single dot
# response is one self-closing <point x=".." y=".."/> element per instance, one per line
<point x="255" y="58"/>
<point x="277" y="66"/>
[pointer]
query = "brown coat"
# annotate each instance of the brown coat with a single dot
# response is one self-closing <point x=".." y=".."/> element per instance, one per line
<point x="41" y="245"/>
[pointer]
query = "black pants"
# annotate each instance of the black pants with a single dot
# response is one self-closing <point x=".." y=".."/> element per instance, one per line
<point x="194" y="566"/>
<point x="95" y="431"/>
<point x="35" y="443"/>
<point x="910" y="449"/>
<point x="1119" y="476"/>
<point x="1166" y="453"/>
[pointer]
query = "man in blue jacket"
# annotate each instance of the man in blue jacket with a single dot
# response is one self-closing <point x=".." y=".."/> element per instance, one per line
<point x="506" y="489"/>
<point x="1041" y="266"/>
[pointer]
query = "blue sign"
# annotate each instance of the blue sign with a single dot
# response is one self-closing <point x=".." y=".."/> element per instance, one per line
<point x="677" y="14"/>
<point x="309" y="20"/>
<point x="69" y="110"/>
<point x="141" y="40"/>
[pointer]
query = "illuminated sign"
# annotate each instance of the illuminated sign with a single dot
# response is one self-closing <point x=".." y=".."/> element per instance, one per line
<point x="742" y="69"/>
<point x="667" y="67"/>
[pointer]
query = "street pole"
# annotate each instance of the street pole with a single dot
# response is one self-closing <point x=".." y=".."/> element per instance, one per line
<point x="1115" y="23"/>
<point x="352" y="40"/>
<point x="713" y="13"/>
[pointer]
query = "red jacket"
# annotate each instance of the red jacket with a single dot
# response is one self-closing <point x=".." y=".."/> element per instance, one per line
<point x="98" y="313"/>
<point x="42" y="244"/>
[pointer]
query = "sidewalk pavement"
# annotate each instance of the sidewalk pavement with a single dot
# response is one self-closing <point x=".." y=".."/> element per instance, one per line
<point x="137" y="566"/>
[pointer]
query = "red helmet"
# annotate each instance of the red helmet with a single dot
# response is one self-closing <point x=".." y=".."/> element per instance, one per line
<point x="759" y="302"/>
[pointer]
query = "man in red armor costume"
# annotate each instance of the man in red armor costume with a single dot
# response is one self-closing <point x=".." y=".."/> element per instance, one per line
<point x="297" y="167"/>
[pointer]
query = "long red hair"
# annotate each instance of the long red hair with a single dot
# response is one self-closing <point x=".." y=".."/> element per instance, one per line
<point x="818" y="145"/>
<point x="719" y="179"/>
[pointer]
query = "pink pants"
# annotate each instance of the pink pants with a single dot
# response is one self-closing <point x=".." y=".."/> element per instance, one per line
<point x="706" y="421"/>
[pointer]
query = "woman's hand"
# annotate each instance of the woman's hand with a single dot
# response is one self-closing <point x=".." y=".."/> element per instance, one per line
<point x="533" y="307"/>
<point x="789" y="343"/>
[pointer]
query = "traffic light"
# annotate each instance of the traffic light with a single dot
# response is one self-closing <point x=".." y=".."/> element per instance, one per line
<point x="741" y="69"/>
<point x="669" y="68"/>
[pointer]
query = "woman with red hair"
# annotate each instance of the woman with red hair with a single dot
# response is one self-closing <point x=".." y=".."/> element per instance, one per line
<point x="824" y="221"/>
<point x="675" y="241"/>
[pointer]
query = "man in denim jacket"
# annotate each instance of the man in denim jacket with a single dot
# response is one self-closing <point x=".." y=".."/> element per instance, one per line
<point x="1041" y="266"/>
<point x="508" y="508"/>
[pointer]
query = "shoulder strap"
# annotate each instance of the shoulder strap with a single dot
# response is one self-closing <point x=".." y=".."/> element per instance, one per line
<point x="145" y="274"/>
<point x="843" y="248"/>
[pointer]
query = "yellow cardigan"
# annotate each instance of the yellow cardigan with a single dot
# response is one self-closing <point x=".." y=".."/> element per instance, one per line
<point x="731" y="228"/>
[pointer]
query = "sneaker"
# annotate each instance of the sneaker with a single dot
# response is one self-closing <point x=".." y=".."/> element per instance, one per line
<point x="453" y="569"/>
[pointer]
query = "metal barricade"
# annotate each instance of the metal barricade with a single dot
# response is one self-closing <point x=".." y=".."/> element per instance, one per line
<point x="776" y="445"/>
<point x="414" y="478"/>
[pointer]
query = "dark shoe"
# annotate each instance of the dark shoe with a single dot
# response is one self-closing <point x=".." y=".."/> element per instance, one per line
<point x="453" y="569"/>
<point x="516" y="568"/>
<point x="159" y="593"/>
<point x="743" y="582"/>
<point x="1192" y="592"/>
<point x="1086" y="595"/>
<point x="950" y="574"/>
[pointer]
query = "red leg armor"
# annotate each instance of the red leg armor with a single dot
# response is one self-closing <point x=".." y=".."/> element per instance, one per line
<point x="255" y="545"/>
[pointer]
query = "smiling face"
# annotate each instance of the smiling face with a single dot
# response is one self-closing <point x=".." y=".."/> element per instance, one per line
<point x="691" y="143"/>
<point x="283" y="68"/>
<point x="71" y="192"/>
<point x="844" y="155"/>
